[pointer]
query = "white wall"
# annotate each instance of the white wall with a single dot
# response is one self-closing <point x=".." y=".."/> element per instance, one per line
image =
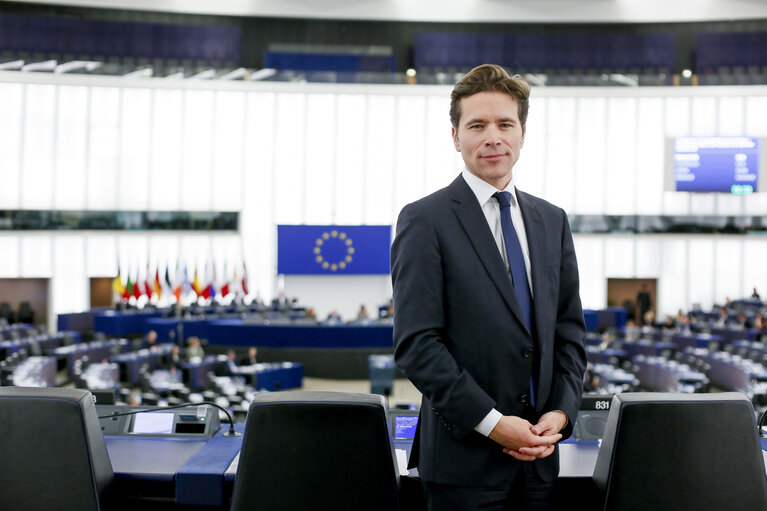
<point x="284" y="153"/>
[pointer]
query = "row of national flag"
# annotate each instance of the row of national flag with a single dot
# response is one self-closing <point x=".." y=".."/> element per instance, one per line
<point x="180" y="287"/>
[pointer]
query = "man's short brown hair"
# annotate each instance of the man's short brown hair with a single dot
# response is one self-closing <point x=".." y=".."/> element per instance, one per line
<point x="490" y="78"/>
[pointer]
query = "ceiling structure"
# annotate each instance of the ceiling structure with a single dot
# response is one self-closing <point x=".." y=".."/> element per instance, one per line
<point x="463" y="11"/>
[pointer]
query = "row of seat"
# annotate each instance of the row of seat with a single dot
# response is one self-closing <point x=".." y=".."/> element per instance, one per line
<point x="659" y="451"/>
<point x="24" y="314"/>
<point x="87" y="37"/>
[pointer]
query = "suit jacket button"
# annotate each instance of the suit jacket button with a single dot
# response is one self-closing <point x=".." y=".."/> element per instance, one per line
<point x="524" y="399"/>
<point x="528" y="352"/>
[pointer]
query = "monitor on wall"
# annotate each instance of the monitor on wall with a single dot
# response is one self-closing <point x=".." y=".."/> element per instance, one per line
<point x="714" y="164"/>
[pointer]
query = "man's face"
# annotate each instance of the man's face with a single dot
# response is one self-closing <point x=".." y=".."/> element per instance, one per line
<point x="489" y="136"/>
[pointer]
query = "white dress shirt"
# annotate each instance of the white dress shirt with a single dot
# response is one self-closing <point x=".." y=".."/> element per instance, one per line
<point x="484" y="192"/>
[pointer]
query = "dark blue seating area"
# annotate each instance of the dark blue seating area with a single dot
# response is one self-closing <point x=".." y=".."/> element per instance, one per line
<point x="96" y="38"/>
<point x="330" y="62"/>
<point x="546" y="51"/>
<point x="717" y="50"/>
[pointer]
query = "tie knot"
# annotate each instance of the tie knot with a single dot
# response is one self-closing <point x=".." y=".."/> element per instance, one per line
<point x="503" y="198"/>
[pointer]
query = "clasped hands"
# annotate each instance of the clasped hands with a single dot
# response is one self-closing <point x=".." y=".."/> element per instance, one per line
<point x="525" y="441"/>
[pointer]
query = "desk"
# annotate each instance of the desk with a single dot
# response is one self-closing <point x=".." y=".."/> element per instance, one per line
<point x="182" y="470"/>
<point x="114" y="324"/>
<point x="286" y="375"/>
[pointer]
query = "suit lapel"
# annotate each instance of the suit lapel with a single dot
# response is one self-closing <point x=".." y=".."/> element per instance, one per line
<point x="475" y="226"/>
<point x="536" y="244"/>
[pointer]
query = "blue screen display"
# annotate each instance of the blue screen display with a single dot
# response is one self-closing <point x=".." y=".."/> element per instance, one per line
<point x="716" y="164"/>
<point x="404" y="427"/>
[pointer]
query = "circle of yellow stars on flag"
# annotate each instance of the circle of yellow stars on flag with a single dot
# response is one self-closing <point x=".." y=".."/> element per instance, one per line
<point x="330" y="237"/>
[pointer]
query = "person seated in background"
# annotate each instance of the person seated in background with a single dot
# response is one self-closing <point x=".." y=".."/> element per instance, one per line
<point x="333" y="317"/>
<point x="632" y="331"/>
<point x="760" y="325"/>
<point x="172" y="360"/>
<point x="723" y="318"/>
<point x="194" y="351"/>
<point x="741" y="322"/>
<point x="250" y="359"/>
<point x="682" y="324"/>
<point x="311" y="313"/>
<point x="755" y="295"/>
<point x="362" y="313"/>
<point x="231" y="364"/>
<point x="150" y="342"/>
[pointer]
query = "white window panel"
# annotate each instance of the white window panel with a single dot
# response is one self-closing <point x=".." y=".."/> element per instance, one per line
<point x="677" y="116"/>
<point x="259" y="249"/>
<point x="11" y="128"/>
<point x="289" y="149"/>
<point x="380" y="160"/>
<point x="69" y="285"/>
<point x="350" y="158"/>
<point x="704" y="121"/>
<point x="729" y="269"/>
<point x="561" y="113"/>
<point x="727" y="204"/>
<point x="650" y="157"/>
<point x="36" y="256"/>
<point x="38" y="154"/>
<point x="756" y="116"/>
<point x="560" y="163"/>
<point x="103" y="148"/>
<point x="530" y="171"/>
<point x="677" y="124"/>
<point x="648" y="257"/>
<point x="196" y="250"/>
<point x="132" y="252"/>
<point x="590" y="157"/>
<point x="702" y="203"/>
<point x="101" y="254"/>
<point x="227" y="151"/>
<point x="440" y="163"/>
<point x="10" y="248"/>
<point x="590" y="253"/>
<point x="71" y="148"/>
<point x="135" y="141"/>
<point x="321" y="158"/>
<point x="621" y="155"/>
<point x="619" y="257"/>
<point x="754" y="269"/>
<point x="672" y="292"/>
<point x="756" y="203"/>
<point x="560" y="171"/>
<point x="701" y="270"/>
<point x="165" y="160"/>
<point x="197" y="154"/>
<point x="409" y="163"/>
<point x="731" y="119"/>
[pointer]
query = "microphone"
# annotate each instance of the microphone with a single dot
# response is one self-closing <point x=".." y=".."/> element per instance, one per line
<point x="231" y="431"/>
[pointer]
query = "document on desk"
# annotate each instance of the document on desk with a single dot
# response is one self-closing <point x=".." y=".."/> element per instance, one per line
<point x="401" y="461"/>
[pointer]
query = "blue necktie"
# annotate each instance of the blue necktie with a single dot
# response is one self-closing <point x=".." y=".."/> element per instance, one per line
<point x="516" y="267"/>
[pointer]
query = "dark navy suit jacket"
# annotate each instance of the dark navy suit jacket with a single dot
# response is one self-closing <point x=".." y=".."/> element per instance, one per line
<point x="460" y="337"/>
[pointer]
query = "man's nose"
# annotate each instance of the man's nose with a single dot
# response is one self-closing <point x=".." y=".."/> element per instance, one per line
<point x="492" y="137"/>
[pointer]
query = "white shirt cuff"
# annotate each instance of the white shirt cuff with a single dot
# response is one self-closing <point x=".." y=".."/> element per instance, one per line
<point x="488" y="423"/>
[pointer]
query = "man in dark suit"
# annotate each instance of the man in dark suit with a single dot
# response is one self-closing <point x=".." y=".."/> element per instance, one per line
<point x="488" y="323"/>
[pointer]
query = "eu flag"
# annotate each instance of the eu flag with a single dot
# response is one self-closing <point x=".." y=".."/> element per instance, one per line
<point x="333" y="249"/>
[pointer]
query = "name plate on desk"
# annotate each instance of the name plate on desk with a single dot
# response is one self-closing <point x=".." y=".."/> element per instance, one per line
<point x="596" y="401"/>
<point x="190" y="422"/>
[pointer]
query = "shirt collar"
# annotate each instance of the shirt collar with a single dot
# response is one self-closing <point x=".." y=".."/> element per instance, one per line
<point x="484" y="191"/>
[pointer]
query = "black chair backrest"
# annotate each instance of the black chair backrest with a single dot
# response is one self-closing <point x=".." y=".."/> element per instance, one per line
<point x="317" y="451"/>
<point x="52" y="451"/>
<point x="679" y="452"/>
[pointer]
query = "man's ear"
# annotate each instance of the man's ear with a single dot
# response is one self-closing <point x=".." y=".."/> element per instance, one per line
<point x="456" y="142"/>
<point x="522" y="140"/>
